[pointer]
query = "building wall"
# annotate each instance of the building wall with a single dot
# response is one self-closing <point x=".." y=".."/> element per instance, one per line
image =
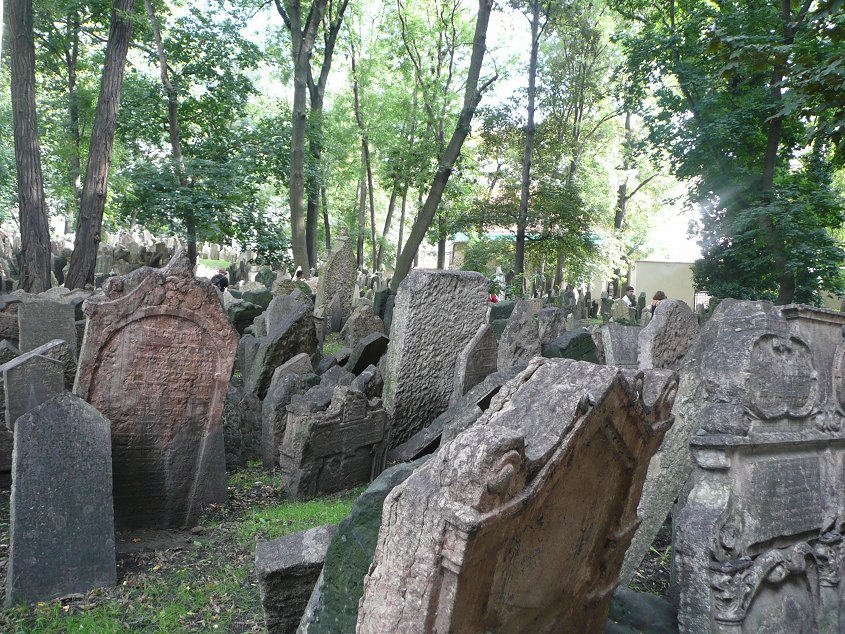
<point x="673" y="278"/>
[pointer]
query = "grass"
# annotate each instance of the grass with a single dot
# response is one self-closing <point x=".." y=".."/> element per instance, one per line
<point x="214" y="264"/>
<point x="332" y="344"/>
<point x="204" y="581"/>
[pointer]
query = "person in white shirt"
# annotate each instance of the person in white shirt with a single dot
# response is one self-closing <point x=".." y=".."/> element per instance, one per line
<point x="629" y="298"/>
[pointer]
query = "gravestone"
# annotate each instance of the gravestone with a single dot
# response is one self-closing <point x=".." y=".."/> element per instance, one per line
<point x="156" y="360"/>
<point x="578" y="345"/>
<point x="645" y="319"/>
<point x="41" y="321"/>
<point x="287" y="569"/>
<point x="436" y="314"/>
<point x="31" y="379"/>
<point x="606" y="307"/>
<point x="332" y="446"/>
<point x="361" y="323"/>
<point x="668" y="337"/>
<point x="333" y="606"/>
<point x="640" y="305"/>
<point x="369" y="351"/>
<point x="475" y="362"/>
<point x="620" y="345"/>
<point x="550" y="323"/>
<point x="293" y="334"/>
<point x="286" y="382"/>
<point x="759" y="537"/>
<point x="520" y="523"/>
<point x="9" y="305"/>
<point x="62" y="524"/>
<point x="336" y="283"/>
<point x="619" y="310"/>
<point x="281" y="306"/>
<point x="520" y="340"/>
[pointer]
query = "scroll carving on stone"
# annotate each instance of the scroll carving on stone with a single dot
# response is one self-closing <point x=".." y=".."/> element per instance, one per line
<point x="758" y="539"/>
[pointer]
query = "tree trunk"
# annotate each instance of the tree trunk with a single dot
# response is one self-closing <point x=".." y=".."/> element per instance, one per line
<point x="173" y="129"/>
<point x="774" y="240"/>
<point x="302" y="46"/>
<point x="401" y="222"/>
<point x="530" y="133"/>
<point x="446" y="161"/>
<point x="317" y="91"/>
<point x="394" y="191"/>
<point x="35" y="230"/>
<point x="326" y="224"/>
<point x="365" y="154"/>
<point x="94" y="188"/>
<point x="362" y="206"/>
<point x="74" y="162"/>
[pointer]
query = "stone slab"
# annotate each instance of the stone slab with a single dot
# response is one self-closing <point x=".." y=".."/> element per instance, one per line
<point x="62" y="523"/>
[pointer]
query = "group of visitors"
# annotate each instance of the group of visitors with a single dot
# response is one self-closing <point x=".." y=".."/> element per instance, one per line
<point x="631" y="301"/>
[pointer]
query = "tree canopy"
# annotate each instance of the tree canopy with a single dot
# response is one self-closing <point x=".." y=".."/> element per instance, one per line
<point x="549" y="138"/>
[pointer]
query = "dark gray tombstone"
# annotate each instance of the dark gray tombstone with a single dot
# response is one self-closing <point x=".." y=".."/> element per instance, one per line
<point x="577" y="344"/>
<point x="368" y="352"/>
<point x="31" y="379"/>
<point x="42" y="321"/>
<point x="62" y="522"/>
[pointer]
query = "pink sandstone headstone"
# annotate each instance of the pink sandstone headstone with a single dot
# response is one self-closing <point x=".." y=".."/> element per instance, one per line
<point x="156" y="360"/>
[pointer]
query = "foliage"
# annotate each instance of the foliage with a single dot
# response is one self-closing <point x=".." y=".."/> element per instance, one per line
<point x="485" y="254"/>
<point x="718" y="106"/>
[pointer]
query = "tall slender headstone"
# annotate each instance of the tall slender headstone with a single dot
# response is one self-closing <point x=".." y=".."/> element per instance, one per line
<point x="336" y="285"/>
<point x="436" y="314"/>
<point x="475" y="362"/>
<point x="156" y="360"/>
<point x="62" y="523"/>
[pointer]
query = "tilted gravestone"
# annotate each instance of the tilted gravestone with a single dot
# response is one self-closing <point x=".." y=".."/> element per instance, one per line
<point x="668" y="337"/>
<point x="620" y="345"/>
<point x="520" y="340"/>
<point x="330" y="449"/>
<point x="286" y="382"/>
<point x="156" y="361"/>
<point x="759" y="538"/>
<point x="287" y="569"/>
<point x="336" y="284"/>
<point x="576" y="344"/>
<point x="436" y="314"/>
<point x="466" y="540"/>
<point x="41" y="321"/>
<point x="362" y="323"/>
<point x="62" y="523"/>
<point x="475" y="362"/>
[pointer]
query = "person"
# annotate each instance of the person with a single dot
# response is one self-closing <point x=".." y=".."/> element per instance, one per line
<point x="629" y="298"/>
<point x="491" y="289"/>
<point x="659" y="296"/>
<point x="299" y="281"/>
<point x="220" y="280"/>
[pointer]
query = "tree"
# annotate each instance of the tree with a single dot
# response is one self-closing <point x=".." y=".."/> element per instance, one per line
<point x="95" y="186"/>
<point x="303" y="35"/>
<point x="446" y="161"/>
<point x="35" y="233"/>
<point x="732" y="131"/>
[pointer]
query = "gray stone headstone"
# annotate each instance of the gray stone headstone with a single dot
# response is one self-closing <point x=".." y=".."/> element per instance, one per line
<point x="758" y="530"/>
<point x="668" y="337"/>
<point x="436" y="314"/>
<point x="28" y="381"/>
<point x="475" y="362"/>
<point x="578" y="345"/>
<point x="62" y="523"/>
<point x="620" y="345"/>
<point x="42" y="321"/>
<point x="288" y="568"/>
<point x="336" y="285"/>
<point x="520" y="341"/>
